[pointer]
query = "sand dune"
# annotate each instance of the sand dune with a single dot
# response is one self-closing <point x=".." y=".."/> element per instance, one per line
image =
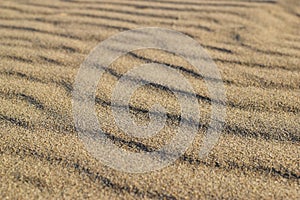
<point x="256" y="46"/>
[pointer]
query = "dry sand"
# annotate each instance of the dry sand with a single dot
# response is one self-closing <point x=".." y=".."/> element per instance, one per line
<point x="256" y="45"/>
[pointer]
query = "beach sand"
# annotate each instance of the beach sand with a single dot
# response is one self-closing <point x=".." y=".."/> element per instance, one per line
<point x="256" y="46"/>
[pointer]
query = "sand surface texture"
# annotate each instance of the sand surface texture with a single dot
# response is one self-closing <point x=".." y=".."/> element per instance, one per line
<point x="255" y="44"/>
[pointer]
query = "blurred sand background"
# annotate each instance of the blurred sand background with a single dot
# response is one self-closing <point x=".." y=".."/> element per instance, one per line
<point x="256" y="45"/>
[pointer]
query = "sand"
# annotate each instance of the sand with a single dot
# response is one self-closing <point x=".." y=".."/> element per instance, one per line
<point x="256" y="46"/>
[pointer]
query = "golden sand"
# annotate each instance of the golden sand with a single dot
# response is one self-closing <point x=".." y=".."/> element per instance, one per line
<point x="256" y="46"/>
